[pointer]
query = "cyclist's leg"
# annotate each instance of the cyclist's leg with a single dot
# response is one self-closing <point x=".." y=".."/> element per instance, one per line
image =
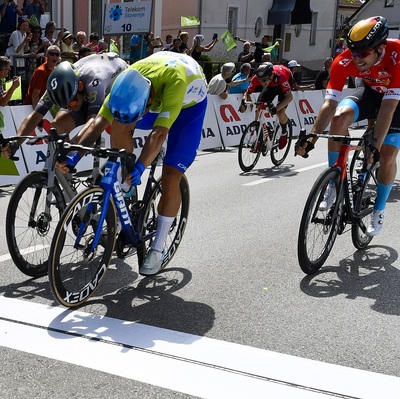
<point x="183" y="141"/>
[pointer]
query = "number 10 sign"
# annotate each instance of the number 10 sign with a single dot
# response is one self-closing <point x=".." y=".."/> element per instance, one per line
<point x="129" y="17"/>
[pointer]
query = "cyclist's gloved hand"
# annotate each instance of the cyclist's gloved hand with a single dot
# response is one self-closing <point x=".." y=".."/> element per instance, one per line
<point x="243" y="106"/>
<point x="374" y="153"/>
<point x="272" y="109"/>
<point x="72" y="159"/>
<point x="136" y="173"/>
<point x="303" y="143"/>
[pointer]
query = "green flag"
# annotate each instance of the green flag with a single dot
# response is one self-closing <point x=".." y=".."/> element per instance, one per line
<point x="33" y="20"/>
<point x="190" y="21"/>
<point x="228" y="40"/>
<point x="17" y="95"/>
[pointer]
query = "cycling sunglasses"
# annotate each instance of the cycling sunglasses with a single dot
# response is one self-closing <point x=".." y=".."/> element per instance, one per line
<point x="361" y="54"/>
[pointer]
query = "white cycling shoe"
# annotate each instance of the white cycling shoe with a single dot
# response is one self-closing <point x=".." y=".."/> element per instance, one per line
<point x="329" y="198"/>
<point x="153" y="262"/>
<point x="376" y="224"/>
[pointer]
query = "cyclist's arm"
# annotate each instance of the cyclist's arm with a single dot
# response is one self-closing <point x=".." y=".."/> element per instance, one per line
<point x="29" y="123"/>
<point x="153" y="145"/>
<point x="325" y="115"/>
<point x="383" y="121"/>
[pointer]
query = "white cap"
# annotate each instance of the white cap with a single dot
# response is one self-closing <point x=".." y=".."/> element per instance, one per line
<point x="293" y="63"/>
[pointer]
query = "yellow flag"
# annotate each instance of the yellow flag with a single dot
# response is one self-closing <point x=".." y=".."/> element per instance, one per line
<point x="190" y="21"/>
<point x="17" y="95"/>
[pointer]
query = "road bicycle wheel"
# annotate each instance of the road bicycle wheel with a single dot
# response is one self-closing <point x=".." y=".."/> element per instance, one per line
<point x="75" y="269"/>
<point x="250" y="147"/>
<point x="148" y="223"/>
<point x="319" y="228"/>
<point x="364" y="200"/>
<point x="29" y="229"/>
<point x="281" y="146"/>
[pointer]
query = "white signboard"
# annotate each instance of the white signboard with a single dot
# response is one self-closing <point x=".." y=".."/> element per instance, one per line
<point x="130" y="17"/>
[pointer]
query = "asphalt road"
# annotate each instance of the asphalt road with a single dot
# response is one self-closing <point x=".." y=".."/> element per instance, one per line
<point x="233" y="312"/>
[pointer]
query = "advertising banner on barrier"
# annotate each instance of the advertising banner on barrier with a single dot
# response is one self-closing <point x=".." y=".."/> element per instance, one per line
<point x="307" y="104"/>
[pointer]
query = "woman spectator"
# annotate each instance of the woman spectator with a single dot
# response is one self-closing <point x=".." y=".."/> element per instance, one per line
<point x="49" y="30"/>
<point x="19" y="44"/>
<point x="198" y="48"/>
<point x="37" y="47"/>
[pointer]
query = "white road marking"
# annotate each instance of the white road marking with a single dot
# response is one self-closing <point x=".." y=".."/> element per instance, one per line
<point x="25" y="251"/>
<point x="260" y="181"/>
<point x="191" y="364"/>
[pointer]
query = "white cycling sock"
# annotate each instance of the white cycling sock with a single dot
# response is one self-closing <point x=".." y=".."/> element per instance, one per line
<point x="164" y="223"/>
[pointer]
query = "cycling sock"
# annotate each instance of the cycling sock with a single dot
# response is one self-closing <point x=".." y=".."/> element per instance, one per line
<point x="164" y="223"/>
<point x="332" y="157"/>
<point x="284" y="128"/>
<point x="382" y="194"/>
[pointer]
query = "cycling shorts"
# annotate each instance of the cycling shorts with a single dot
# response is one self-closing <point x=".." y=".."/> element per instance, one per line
<point x="365" y="103"/>
<point x="183" y="137"/>
<point x="269" y="93"/>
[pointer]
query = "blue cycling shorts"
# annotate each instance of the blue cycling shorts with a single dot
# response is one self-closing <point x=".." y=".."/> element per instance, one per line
<point x="183" y="137"/>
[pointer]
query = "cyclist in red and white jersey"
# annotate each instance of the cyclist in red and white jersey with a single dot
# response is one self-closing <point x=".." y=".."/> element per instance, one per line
<point x="271" y="81"/>
<point x="376" y="60"/>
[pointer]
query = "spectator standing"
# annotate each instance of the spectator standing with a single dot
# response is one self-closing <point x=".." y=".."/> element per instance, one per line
<point x="19" y="44"/>
<point x="138" y="48"/>
<point x="322" y="79"/>
<point x="259" y="46"/>
<point x="37" y="85"/>
<point x="67" y="52"/>
<point x="49" y="31"/>
<point x="274" y="51"/>
<point x="218" y="84"/>
<point x="8" y="14"/>
<point x="246" y="55"/>
<point x="294" y="66"/>
<point x="168" y="42"/>
<point x="84" y="52"/>
<point x="36" y="8"/>
<point x="339" y="48"/>
<point x="93" y="41"/>
<point x="80" y="39"/>
<point x="198" y="48"/>
<point x="242" y="76"/>
<point x="37" y="47"/>
<point x="183" y="48"/>
<point x="5" y="68"/>
<point x="176" y="45"/>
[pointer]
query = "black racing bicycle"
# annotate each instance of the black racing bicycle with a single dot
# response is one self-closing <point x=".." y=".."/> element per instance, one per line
<point x="37" y="203"/>
<point x="353" y="190"/>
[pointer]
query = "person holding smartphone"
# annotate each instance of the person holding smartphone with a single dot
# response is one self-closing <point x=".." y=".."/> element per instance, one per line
<point x="198" y="48"/>
<point x="8" y="15"/>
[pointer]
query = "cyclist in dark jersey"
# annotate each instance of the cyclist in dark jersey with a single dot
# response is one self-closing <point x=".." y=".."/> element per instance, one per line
<point x="375" y="59"/>
<point x="271" y="81"/>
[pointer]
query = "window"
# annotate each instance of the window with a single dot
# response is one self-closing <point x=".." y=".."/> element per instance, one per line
<point x="258" y="27"/>
<point x="232" y="20"/>
<point x="313" y="31"/>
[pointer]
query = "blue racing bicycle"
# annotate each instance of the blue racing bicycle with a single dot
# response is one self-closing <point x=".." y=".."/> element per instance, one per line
<point x="99" y="220"/>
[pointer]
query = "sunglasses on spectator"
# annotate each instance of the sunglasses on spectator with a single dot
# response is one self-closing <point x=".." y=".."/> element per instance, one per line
<point x="53" y="54"/>
<point x="361" y="54"/>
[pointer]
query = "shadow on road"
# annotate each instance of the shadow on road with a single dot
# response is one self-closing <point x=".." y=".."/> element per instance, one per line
<point x="369" y="273"/>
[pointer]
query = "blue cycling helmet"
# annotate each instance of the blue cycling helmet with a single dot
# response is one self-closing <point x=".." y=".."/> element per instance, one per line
<point x="128" y="96"/>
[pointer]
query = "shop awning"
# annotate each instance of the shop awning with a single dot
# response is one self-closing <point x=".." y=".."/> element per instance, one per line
<point x="292" y="12"/>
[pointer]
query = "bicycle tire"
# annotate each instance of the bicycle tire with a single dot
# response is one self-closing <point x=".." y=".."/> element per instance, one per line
<point x="250" y="146"/>
<point x="318" y="229"/>
<point x="278" y="155"/>
<point x="364" y="201"/>
<point x="148" y="222"/>
<point x="75" y="273"/>
<point x="29" y="230"/>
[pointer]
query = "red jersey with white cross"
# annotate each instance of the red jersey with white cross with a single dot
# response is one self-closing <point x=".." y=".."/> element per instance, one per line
<point x="281" y="78"/>
<point x="383" y="77"/>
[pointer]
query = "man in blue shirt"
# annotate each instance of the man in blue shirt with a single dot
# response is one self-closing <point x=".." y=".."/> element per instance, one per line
<point x="137" y="52"/>
<point x="245" y="70"/>
<point x="8" y="16"/>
